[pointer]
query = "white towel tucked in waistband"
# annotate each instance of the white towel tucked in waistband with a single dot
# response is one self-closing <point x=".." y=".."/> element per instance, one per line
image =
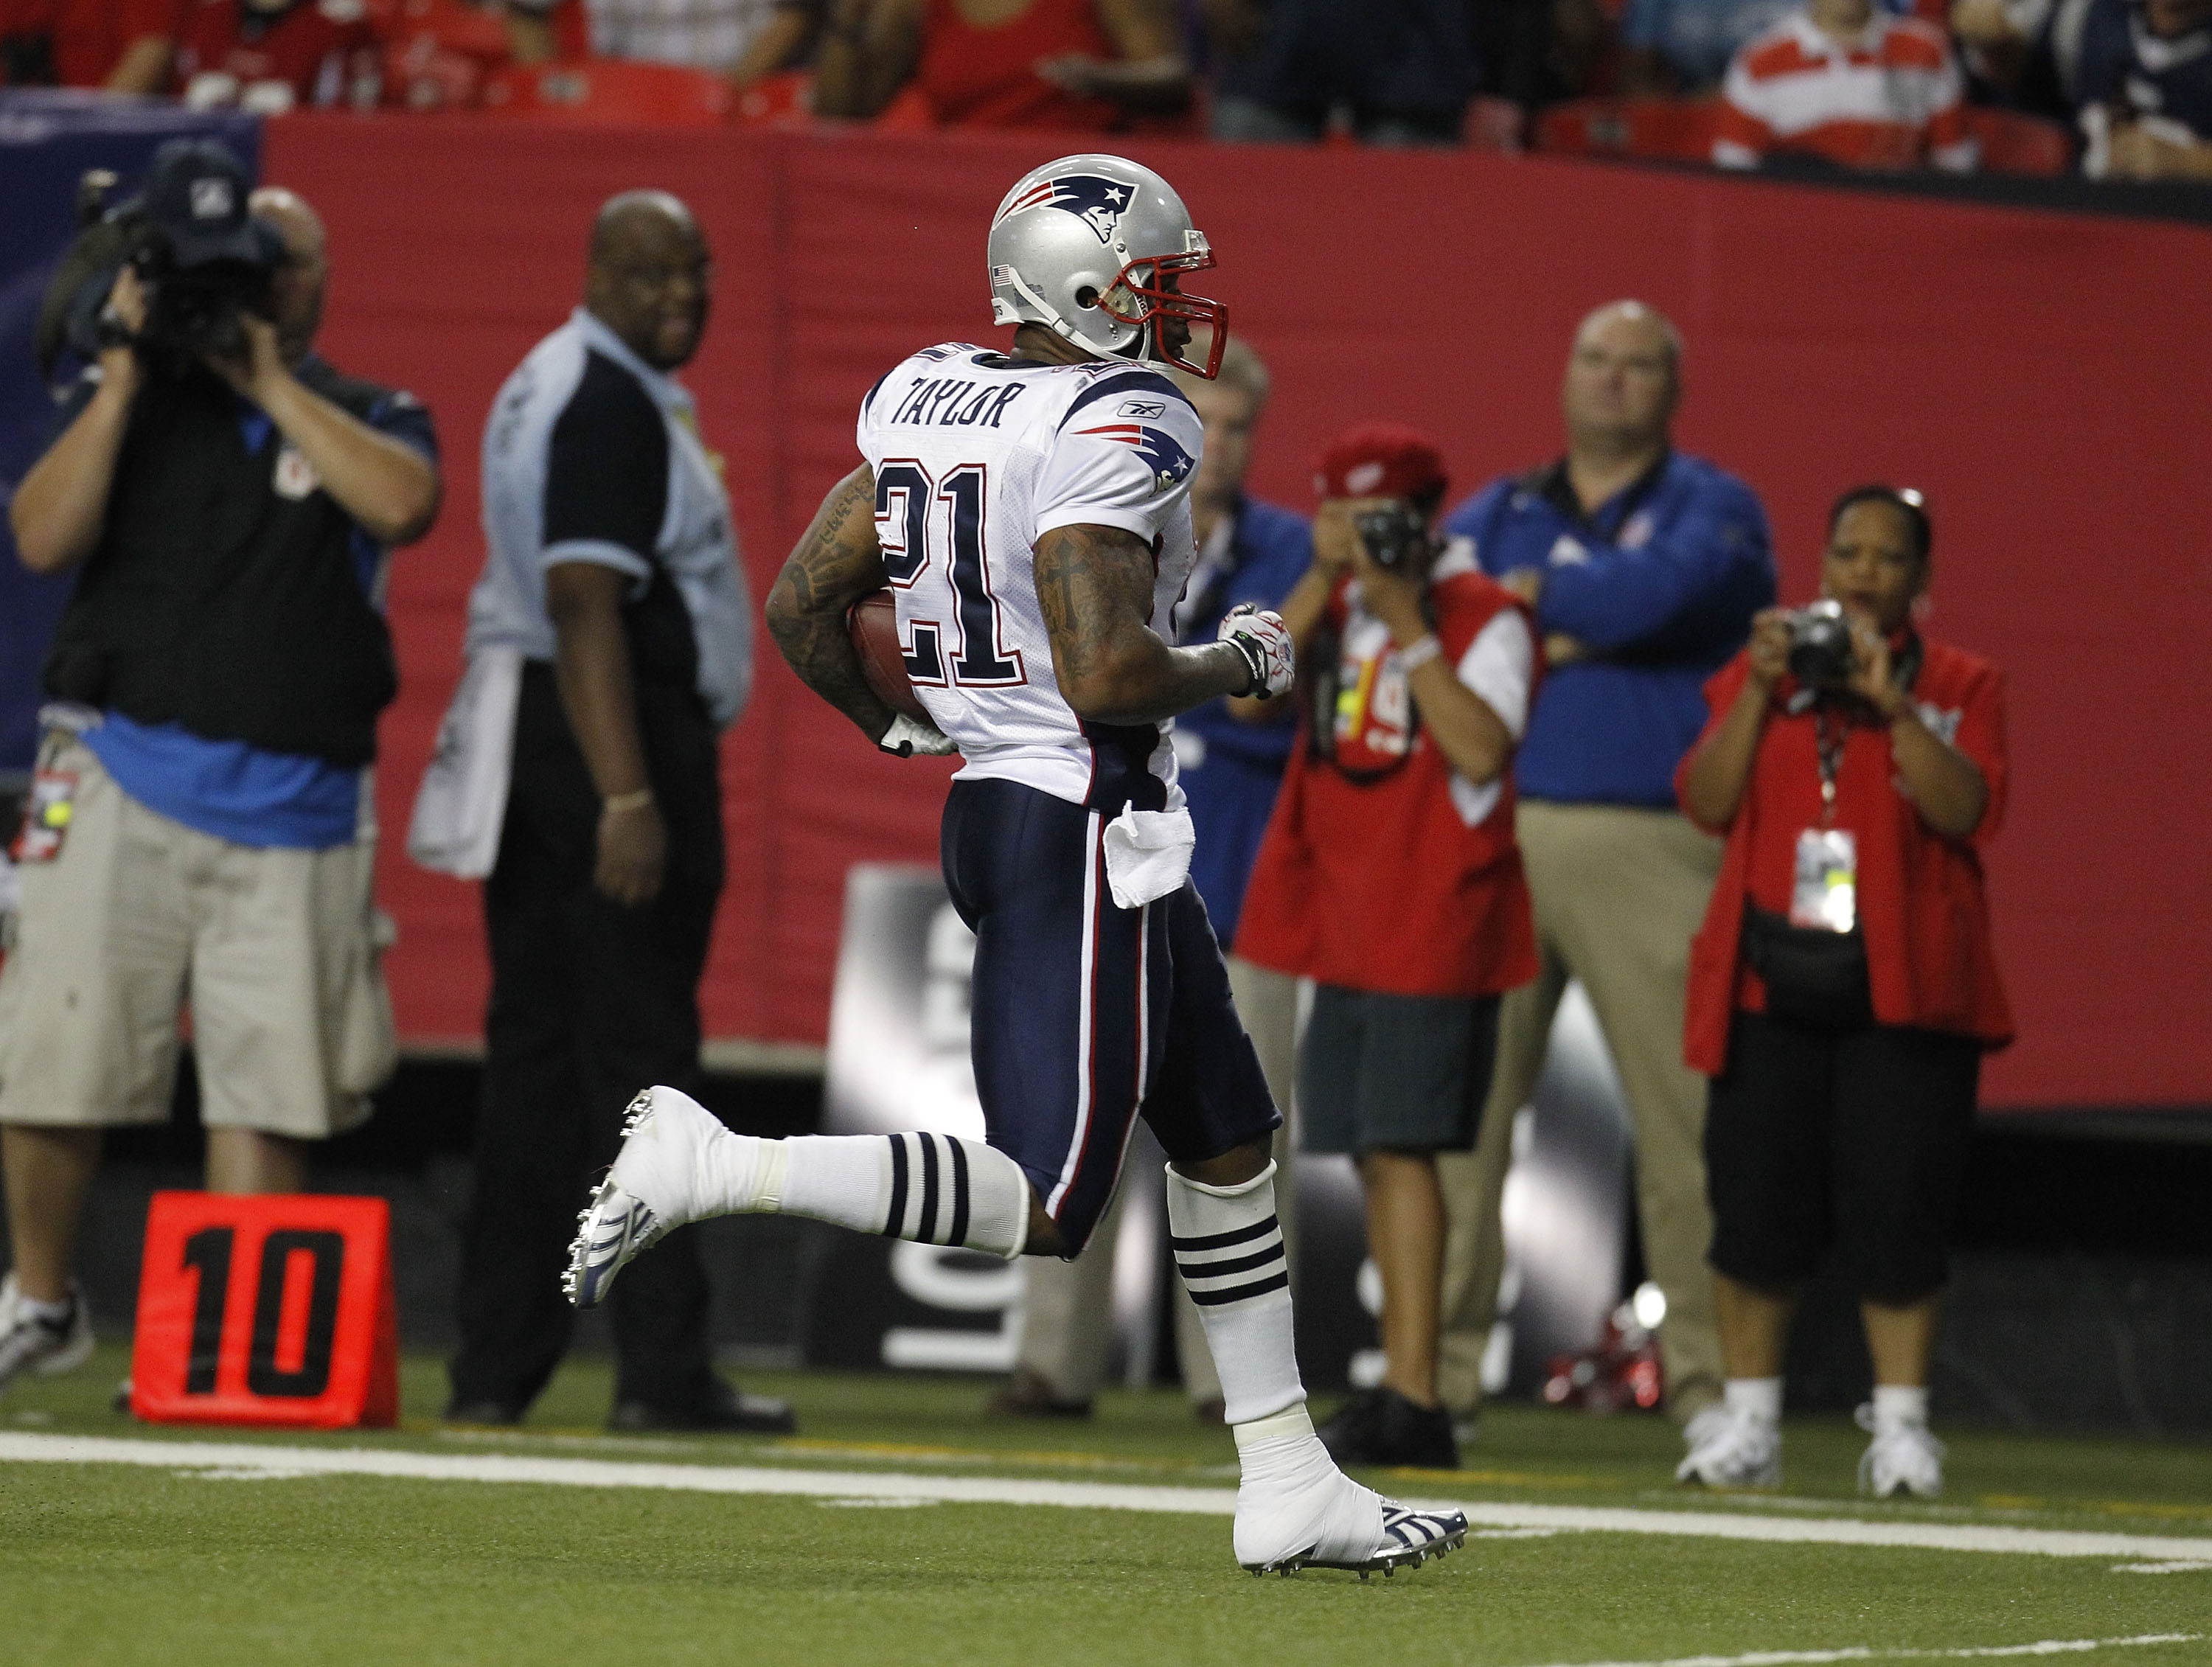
<point x="1148" y="855"/>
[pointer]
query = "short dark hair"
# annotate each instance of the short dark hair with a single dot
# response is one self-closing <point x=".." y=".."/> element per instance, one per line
<point x="1903" y="499"/>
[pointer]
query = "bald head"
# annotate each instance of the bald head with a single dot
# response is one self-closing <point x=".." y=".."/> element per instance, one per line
<point x="295" y="294"/>
<point x="650" y="276"/>
<point x="1624" y="377"/>
<point x="624" y="222"/>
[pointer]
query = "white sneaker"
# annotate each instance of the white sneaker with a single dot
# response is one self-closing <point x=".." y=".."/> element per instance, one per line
<point x="45" y="1347"/>
<point x="1731" y="1450"/>
<point x="1902" y="1458"/>
<point x="671" y="1169"/>
<point x="1296" y="1510"/>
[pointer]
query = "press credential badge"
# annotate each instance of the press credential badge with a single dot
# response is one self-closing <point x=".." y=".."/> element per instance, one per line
<point x="1825" y="896"/>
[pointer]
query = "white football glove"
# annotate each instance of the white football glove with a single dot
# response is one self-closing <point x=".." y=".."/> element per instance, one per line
<point x="1264" y="642"/>
<point x="906" y="739"/>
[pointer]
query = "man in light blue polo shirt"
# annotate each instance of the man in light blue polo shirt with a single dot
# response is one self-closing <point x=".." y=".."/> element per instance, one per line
<point x="1645" y="566"/>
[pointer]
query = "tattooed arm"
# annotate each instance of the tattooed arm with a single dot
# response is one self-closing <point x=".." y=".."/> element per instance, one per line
<point x="1095" y="586"/>
<point x="836" y="564"/>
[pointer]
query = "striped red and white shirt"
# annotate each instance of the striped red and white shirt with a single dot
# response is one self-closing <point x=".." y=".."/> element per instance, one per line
<point x="1891" y="99"/>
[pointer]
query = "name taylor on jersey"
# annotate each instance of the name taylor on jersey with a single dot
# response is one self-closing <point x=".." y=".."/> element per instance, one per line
<point x="976" y="456"/>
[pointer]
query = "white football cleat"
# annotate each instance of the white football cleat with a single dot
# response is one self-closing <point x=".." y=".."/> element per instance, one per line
<point x="1902" y="1458"/>
<point x="1728" y="1450"/>
<point x="660" y="1181"/>
<point x="43" y="1345"/>
<point x="1296" y="1510"/>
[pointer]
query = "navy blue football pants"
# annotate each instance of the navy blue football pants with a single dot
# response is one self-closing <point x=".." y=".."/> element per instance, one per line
<point x="1086" y="1016"/>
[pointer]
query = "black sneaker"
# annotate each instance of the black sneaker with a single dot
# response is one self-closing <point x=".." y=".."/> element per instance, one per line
<point x="1031" y="1394"/>
<point x="495" y="1414"/>
<point x="1383" y="1427"/>
<point x="1349" y="1430"/>
<point x="730" y="1412"/>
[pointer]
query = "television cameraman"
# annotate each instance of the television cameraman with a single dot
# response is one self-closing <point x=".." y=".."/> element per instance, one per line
<point x="1843" y="988"/>
<point x="205" y="820"/>
<point x="1390" y="876"/>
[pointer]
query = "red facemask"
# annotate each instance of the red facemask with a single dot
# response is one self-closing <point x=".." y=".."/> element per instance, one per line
<point x="1134" y="301"/>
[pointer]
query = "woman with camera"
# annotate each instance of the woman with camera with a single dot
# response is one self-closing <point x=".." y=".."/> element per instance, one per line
<point x="1843" y="989"/>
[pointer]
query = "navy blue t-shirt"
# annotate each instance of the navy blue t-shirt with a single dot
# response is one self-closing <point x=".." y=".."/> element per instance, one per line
<point x="1659" y="587"/>
<point x="2136" y="73"/>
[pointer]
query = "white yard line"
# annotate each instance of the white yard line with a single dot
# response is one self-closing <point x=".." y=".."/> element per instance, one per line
<point x="2049" y="1646"/>
<point x="238" y="1459"/>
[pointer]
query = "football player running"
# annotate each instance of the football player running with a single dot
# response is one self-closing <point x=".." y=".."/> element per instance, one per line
<point x="1029" y="511"/>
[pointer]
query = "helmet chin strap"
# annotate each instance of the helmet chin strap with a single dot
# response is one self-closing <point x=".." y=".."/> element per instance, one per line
<point x="1062" y="327"/>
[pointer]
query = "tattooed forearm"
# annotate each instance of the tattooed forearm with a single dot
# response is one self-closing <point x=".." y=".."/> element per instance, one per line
<point x="835" y="563"/>
<point x="1094" y="585"/>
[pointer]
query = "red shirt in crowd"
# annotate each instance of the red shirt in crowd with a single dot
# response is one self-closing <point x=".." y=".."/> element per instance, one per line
<point x="986" y="77"/>
<point x="311" y="52"/>
<point x="90" y="37"/>
<point x="1388" y="871"/>
<point x="1920" y="899"/>
<point x="1892" y="99"/>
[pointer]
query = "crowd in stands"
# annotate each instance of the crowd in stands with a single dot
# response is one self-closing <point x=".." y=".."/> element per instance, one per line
<point x="2118" y="89"/>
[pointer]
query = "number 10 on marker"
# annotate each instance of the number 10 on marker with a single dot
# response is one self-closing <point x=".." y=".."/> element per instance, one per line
<point x="266" y="1311"/>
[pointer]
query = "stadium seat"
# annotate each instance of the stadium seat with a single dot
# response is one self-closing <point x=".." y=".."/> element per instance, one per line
<point x="1666" y="130"/>
<point x="437" y="53"/>
<point x="778" y="100"/>
<point x="2014" y="143"/>
<point x="606" y="90"/>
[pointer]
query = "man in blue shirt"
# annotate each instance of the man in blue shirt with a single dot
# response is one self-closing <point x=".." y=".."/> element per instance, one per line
<point x="1230" y="755"/>
<point x="202" y="824"/>
<point x="1644" y="567"/>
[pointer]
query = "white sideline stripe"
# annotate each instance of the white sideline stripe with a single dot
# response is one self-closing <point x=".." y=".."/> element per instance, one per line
<point x="242" y="1456"/>
<point x="2049" y="1646"/>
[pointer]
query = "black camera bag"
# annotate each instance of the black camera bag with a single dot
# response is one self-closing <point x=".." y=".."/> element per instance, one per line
<point x="1813" y="977"/>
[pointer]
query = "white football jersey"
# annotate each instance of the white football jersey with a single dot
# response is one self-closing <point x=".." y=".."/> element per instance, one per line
<point x="976" y="456"/>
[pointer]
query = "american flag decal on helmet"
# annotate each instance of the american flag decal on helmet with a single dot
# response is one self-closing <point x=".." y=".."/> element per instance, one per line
<point x="1092" y="198"/>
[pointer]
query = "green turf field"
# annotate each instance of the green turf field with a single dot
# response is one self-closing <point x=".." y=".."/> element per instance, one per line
<point x="239" y="1561"/>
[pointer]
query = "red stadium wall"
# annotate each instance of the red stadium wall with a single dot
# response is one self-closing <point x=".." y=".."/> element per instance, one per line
<point x="2024" y="369"/>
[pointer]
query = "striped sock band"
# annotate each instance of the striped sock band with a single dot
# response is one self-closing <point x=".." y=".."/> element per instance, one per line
<point x="930" y="1193"/>
<point x="928" y="1188"/>
<point x="1228" y="1267"/>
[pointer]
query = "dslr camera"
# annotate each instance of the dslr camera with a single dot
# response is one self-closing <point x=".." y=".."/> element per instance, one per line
<point x="1821" y="651"/>
<point x="202" y="261"/>
<point x="1395" y="533"/>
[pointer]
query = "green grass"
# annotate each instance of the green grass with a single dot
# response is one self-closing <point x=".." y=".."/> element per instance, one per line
<point x="124" y="1565"/>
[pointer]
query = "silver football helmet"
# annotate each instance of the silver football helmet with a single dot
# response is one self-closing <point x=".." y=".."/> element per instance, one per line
<point x="1093" y="247"/>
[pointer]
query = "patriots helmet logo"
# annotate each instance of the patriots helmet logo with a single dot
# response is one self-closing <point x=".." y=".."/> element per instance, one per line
<point x="1095" y="200"/>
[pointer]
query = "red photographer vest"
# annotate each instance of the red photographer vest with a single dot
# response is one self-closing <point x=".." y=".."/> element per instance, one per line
<point x="1371" y="877"/>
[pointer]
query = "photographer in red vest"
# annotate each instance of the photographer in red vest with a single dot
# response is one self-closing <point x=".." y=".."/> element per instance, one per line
<point x="1843" y="989"/>
<point x="1390" y="876"/>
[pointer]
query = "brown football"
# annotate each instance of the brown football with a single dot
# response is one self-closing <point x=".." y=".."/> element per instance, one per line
<point x="872" y="623"/>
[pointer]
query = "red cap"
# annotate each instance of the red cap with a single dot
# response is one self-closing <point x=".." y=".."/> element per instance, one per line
<point x="1380" y="460"/>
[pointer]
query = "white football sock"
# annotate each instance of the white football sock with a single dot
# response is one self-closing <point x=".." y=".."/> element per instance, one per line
<point x="1896" y="1404"/>
<point x="1229" y="1250"/>
<point x="932" y="1189"/>
<point x="1759" y="1398"/>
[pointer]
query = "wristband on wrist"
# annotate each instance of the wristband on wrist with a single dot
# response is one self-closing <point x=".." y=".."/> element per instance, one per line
<point x="1418" y="653"/>
<point x="627" y="801"/>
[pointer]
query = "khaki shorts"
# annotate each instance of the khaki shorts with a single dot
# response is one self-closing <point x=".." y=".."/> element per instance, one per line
<point x="276" y="950"/>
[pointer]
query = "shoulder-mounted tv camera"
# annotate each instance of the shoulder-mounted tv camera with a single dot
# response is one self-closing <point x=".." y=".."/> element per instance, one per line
<point x="204" y="260"/>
